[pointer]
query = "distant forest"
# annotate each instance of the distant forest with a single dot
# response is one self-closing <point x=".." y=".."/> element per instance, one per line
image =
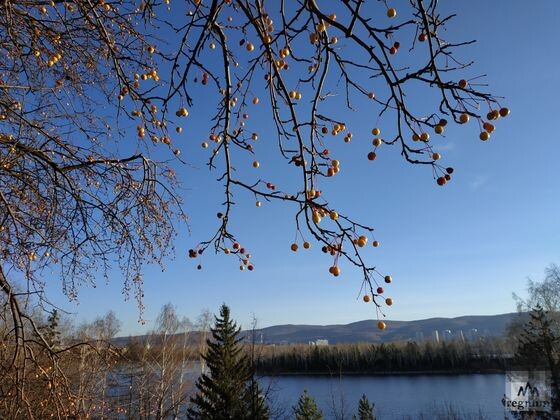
<point x="445" y="356"/>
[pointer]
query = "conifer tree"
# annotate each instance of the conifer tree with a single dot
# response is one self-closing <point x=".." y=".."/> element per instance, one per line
<point x="228" y="390"/>
<point x="365" y="409"/>
<point x="51" y="330"/>
<point x="306" y="408"/>
<point x="539" y="347"/>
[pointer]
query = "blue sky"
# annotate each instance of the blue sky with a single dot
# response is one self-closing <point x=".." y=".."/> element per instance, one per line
<point x="458" y="250"/>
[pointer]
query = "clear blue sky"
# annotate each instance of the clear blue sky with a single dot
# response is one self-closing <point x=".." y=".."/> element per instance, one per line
<point x="458" y="250"/>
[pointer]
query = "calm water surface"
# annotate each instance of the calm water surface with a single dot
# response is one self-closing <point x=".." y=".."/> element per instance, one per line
<point x="398" y="396"/>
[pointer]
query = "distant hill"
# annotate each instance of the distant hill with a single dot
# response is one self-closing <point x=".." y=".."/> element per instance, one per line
<point x="470" y="327"/>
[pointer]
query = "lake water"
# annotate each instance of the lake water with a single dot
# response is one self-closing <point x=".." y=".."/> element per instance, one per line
<point x="396" y="396"/>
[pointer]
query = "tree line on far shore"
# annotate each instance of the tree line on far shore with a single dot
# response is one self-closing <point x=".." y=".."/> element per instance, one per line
<point x="364" y="358"/>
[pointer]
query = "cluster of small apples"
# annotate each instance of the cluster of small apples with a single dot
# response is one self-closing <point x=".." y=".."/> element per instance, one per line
<point x="269" y="23"/>
<point x="182" y="112"/>
<point x="492" y="116"/>
<point x="313" y="194"/>
<point x="313" y="67"/>
<point x="284" y="52"/>
<point x="337" y="128"/>
<point x="332" y="249"/>
<point x="395" y="48"/>
<point x="204" y="80"/>
<point x="54" y="59"/>
<point x="379" y="292"/>
<point x="361" y="241"/>
<point x="243" y="256"/>
<point x="294" y="247"/>
<point x="298" y="161"/>
<point x="122" y="93"/>
<point x="334" y="168"/>
<point x="295" y="95"/>
<point x="318" y="213"/>
<point x="212" y="137"/>
<point x="424" y="136"/>
<point x="321" y="27"/>
<point x="152" y="74"/>
<point x="335" y="270"/>
<point x="388" y="301"/>
<point x="376" y="143"/>
<point x="194" y="253"/>
<point x="445" y="178"/>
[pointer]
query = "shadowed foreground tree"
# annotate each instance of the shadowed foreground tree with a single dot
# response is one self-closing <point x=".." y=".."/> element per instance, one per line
<point x="92" y="110"/>
<point x="227" y="390"/>
<point x="365" y="409"/>
<point x="51" y="330"/>
<point x="538" y="343"/>
<point x="306" y="408"/>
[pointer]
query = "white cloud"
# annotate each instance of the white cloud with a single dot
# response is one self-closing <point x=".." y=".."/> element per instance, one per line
<point x="478" y="182"/>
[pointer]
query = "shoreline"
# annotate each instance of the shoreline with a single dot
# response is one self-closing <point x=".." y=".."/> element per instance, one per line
<point x="401" y="373"/>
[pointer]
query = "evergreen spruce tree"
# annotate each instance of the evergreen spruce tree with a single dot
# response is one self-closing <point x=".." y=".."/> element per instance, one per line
<point x="365" y="409"/>
<point x="51" y="330"/>
<point x="229" y="389"/>
<point x="306" y="408"/>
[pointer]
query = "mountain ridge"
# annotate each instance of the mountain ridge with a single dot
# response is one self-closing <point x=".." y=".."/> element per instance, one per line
<point x="468" y="327"/>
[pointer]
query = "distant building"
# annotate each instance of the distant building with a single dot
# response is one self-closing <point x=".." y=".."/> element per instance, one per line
<point x="319" y="342"/>
<point x="472" y="334"/>
<point x="446" y="335"/>
<point x="435" y="336"/>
